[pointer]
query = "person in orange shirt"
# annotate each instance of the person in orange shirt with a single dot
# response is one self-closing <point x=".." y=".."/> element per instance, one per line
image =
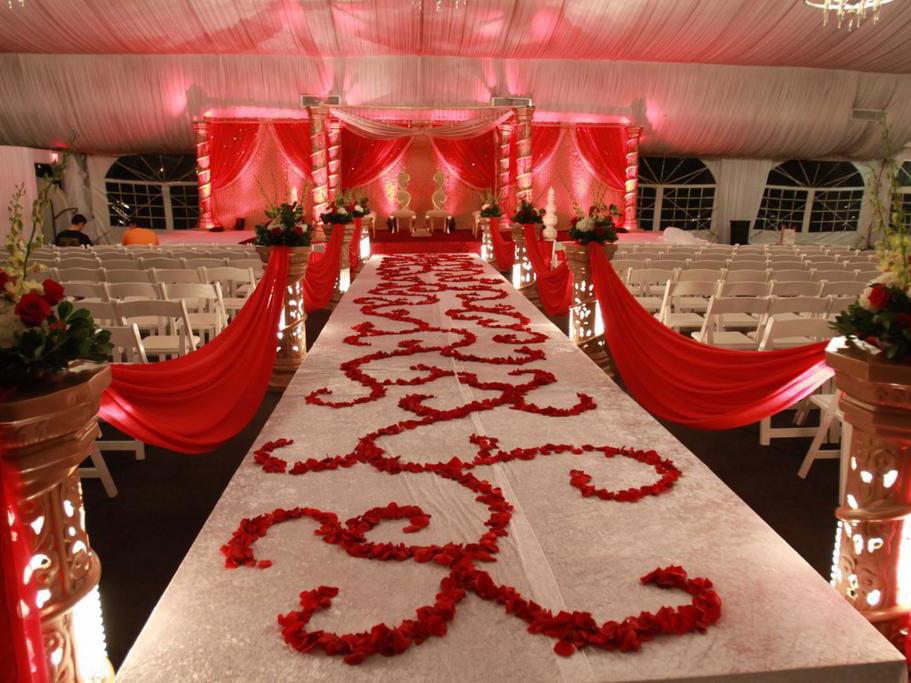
<point x="135" y="236"/>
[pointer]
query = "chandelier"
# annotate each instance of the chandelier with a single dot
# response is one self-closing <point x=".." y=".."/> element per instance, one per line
<point x="438" y="5"/>
<point x="855" y="10"/>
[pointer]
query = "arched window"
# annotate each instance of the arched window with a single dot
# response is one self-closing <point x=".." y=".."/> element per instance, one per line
<point x="812" y="196"/>
<point x="676" y="193"/>
<point x="904" y="192"/>
<point x="156" y="191"/>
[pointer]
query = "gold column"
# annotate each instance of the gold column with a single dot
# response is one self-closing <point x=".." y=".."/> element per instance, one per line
<point x="203" y="174"/>
<point x="46" y="433"/>
<point x="524" y="170"/>
<point x="631" y="221"/>
<point x="318" y="159"/>
<point x="583" y="313"/>
<point x="873" y="547"/>
<point x="334" y="157"/>
<point x="504" y="150"/>
<point x="292" y="329"/>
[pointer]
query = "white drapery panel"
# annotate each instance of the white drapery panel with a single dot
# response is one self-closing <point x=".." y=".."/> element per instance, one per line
<point x="380" y="130"/>
<point x="16" y="168"/>
<point x="739" y="185"/>
<point x="685" y="109"/>
<point x="782" y="33"/>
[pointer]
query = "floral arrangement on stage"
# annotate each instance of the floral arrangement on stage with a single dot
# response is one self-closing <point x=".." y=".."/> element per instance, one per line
<point x="597" y="226"/>
<point x="41" y="334"/>
<point x="527" y="214"/>
<point x="360" y="207"/>
<point x="489" y="206"/>
<point x="337" y="214"/>
<point x="881" y="317"/>
<point x="286" y="227"/>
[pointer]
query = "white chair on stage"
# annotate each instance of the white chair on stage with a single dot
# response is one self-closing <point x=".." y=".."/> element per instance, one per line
<point x="438" y="218"/>
<point x="403" y="216"/>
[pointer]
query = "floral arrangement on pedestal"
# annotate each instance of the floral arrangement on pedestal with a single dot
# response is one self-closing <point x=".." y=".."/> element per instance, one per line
<point x="881" y="317"/>
<point x="286" y="227"/>
<point x="527" y="214"/>
<point x="596" y="226"/>
<point x="338" y="213"/>
<point x="490" y="208"/>
<point x="360" y="207"/>
<point x="41" y="334"/>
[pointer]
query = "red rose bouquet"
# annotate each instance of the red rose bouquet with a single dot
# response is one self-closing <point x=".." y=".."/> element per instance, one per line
<point x="597" y="226"/>
<point x="286" y="227"/>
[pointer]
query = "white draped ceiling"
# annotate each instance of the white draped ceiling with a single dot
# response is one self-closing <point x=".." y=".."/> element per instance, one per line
<point x="705" y="77"/>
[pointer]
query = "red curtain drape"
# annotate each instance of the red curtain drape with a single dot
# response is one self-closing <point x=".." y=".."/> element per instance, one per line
<point x="473" y="160"/>
<point x="544" y="141"/>
<point x="294" y="141"/>
<point x="21" y="645"/>
<point x="364" y="160"/>
<point x="322" y="272"/>
<point x="555" y="285"/>
<point x="354" y="247"/>
<point x="231" y="146"/>
<point x="679" y="379"/>
<point x="603" y="149"/>
<point x="504" y="250"/>
<point x="196" y="402"/>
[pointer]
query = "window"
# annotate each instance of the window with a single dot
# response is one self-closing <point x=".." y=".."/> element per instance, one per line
<point x="904" y="192"/>
<point x="676" y="193"/>
<point x="812" y="196"/>
<point x="157" y="191"/>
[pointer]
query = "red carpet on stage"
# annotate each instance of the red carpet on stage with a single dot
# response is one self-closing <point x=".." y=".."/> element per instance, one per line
<point x="387" y="242"/>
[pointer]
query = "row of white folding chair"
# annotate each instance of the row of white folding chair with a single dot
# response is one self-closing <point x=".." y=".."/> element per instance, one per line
<point x="165" y="325"/>
<point x="121" y="261"/>
<point x="153" y="274"/>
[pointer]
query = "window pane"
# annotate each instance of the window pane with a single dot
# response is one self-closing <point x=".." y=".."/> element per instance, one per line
<point x="781" y="208"/>
<point x="674" y="171"/>
<point x="816" y="174"/>
<point x="689" y="208"/>
<point x="836" y="210"/>
<point x="645" y="206"/>
<point x="905" y="201"/>
<point x="141" y="203"/>
<point x="185" y="206"/>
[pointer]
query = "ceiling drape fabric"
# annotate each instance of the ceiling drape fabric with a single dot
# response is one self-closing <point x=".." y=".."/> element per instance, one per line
<point x="294" y="140"/>
<point x="472" y="160"/>
<point x="603" y="149"/>
<point x="382" y="130"/>
<point x="366" y="159"/>
<point x="739" y="185"/>
<point x="231" y="146"/>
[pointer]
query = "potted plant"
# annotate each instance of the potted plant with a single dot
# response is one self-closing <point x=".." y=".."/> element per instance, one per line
<point x="337" y="214"/>
<point x="49" y="400"/>
<point x="490" y="209"/>
<point x="527" y="214"/>
<point x="595" y="227"/>
<point x="873" y="376"/>
<point x="360" y="209"/>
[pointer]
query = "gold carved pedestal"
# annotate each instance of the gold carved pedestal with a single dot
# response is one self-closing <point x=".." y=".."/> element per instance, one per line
<point x="292" y="330"/>
<point x="873" y="547"/>
<point x="45" y="433"/>
<point x="583" y="313"/>
<point x="526" y="274"/>
<point x="345" y="273"/>
<point x="486" y="242"/>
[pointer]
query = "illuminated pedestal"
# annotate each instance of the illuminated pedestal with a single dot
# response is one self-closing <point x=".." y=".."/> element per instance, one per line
<point x="345" y="275"/>
<point x="523" y="275"/>
<point x="45" y="436"/>
<point x="586" y="329"/>
<point x="873" y="563"/>
<point x="486" y="243"/>
<point x="292" y="331"/>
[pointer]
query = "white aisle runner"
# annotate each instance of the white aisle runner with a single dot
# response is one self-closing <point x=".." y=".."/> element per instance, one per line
<point x="779" y="622"/>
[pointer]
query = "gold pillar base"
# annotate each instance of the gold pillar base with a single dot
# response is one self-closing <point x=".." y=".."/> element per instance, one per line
<point x="584" y="309"/>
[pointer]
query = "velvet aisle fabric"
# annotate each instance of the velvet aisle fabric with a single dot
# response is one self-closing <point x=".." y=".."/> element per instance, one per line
<point x="21" y="646"/>
<point x="555" y="285"/>
<point x="322" y="272"/>
<point x="678" y="379"/>
<point x="194" y="403"/>
<point x="504" y="250"/>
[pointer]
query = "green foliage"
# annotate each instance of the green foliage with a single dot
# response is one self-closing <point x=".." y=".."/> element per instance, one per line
<point x="286" y="227"/>
<point x="886" y="326"/>
<point x="527" y="214"/>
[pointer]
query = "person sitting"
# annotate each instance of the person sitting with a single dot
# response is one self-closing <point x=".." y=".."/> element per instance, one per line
<point x="74" y="235"/>
<point x="136" y="236"/>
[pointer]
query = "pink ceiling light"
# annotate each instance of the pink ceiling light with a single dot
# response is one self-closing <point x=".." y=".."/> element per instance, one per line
<point x="854" y="10"/>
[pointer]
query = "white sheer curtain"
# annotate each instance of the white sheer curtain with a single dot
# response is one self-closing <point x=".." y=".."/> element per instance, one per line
<point x="17" y="167"/>
<point x="380" y="130"/>
<point x="739" y="185"/>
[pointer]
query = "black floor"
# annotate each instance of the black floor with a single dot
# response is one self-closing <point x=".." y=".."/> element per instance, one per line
<point x="143" y="534"/>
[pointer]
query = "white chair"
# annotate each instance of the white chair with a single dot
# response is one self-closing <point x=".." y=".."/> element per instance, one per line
<point x="801" y="288"/>
<point x="847" y="289"/>
<point x="667" y="263"/>
<point x="127" y="291"/>
<point x="404" y="220"/>
<point x="161" y="262"/>
<point x="646" y="285"/>
<point x="134" y="275"/>
<point x="236" y="285"/>
<point x="678" y="302"/>
<point x="105" y="313"/>
<point x="65" y="275"/>
<point x="726" y="316"/>
<point x="835" y="275"/>
<point x="791" y="275"/>
<point x="833" y="428"/>
<point x="119" y="263"/>
<point x="254" y="263"/>
<point x="91" y="291"/>
<point x="746" y="275"/>
<point x="206" y="309"/>
<point x="198" y="262"/>
<point x="171" y="334"/>
<point x="437" y="220"/>
<point x="700" y="263"/>
<point x="172" y="275"/>
<point x="798" y="307"/>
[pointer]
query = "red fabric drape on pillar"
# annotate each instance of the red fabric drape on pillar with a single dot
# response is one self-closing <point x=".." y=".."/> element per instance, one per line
<point x="21" y="646"/>
<point x="504" y="250"/>
<point x="544" y="141"/>
<point x="603" y="149"/>
<point x="196" y="402"/>
<point x="681" y="380"/>
<point x="231" y="146"/>
<point x="473" y="160"/>
<point x="555" y="285"/>
<point x="364" y="160"/>
<point x="354" y="248"/>
<point x="322" y="272"/>
<point x="294" y="140"/>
